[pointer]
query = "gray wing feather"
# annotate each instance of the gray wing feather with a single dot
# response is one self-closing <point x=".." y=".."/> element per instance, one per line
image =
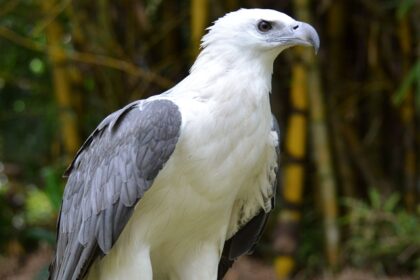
<point x="245" y="240"/>
<point x="110" y="173"/>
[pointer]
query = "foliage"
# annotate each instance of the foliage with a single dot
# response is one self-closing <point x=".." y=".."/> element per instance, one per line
<point x="28" y="212"/>
<point x="38" y="208"/>
<point x="412" y="79"/>
<point x="403" y="7"/>
<point x="383" y="236"/>
<point x="310" y="253"/>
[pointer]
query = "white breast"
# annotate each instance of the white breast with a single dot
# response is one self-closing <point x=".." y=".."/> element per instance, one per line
<point x="226" y="155"/>
<point x="217" y="179"/>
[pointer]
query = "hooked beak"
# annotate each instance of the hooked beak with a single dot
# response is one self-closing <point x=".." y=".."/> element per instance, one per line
<point x="304" y="34"/>
<point x="297" y="34"/>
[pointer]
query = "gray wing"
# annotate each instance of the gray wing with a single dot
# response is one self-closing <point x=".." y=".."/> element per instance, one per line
<point x="245" y="240"/>
<point x="111" y="172"/>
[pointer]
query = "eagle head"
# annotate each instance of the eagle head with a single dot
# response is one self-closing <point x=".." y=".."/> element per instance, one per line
<point x="259" y="30"/>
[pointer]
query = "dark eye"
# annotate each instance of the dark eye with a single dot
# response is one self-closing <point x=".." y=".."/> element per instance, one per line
<point x="264" y="26"/>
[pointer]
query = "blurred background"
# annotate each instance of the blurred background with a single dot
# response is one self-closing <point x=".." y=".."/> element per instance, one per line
<point x="350" y="184"/>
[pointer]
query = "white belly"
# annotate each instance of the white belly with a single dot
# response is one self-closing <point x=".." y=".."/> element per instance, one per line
<point x="179" y="227"/>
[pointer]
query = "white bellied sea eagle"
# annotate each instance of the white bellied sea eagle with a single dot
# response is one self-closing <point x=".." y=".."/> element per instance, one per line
<point x="179" y="185"/>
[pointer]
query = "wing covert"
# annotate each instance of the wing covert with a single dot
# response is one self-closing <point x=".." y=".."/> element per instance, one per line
<point x="110" y="173"/>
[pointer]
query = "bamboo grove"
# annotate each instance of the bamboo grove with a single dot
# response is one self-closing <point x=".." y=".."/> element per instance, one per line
<point x="349" y="190"/>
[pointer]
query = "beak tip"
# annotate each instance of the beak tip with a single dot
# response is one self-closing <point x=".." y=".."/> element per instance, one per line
<point x="315" y="41"/>
<point x="311" y="36"/>
<point x="316" y="49"/>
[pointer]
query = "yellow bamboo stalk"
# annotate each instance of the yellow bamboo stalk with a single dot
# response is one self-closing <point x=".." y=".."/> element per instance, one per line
<point x="231" y="5"/>
<point x="320" y="146"/>
<point x="295" y="142"/>
<point x="62" y="85"/>
<point x="285" y="242"/>
<point x="199" y="14"/>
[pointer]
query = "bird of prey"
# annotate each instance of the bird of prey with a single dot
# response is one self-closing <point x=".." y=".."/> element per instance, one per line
<point x="179" y="185"/>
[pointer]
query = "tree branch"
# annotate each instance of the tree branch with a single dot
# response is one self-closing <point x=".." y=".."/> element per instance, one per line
<point x="88" y="58"/>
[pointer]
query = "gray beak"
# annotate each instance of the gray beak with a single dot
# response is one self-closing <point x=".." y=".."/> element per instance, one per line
<point x="304" y="35"/>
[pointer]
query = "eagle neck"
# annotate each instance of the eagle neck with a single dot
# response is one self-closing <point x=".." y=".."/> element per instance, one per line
<point x="223" y="74"/>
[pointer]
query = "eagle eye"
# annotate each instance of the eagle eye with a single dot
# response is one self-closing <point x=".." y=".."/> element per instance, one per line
<point x="264" y="26"/>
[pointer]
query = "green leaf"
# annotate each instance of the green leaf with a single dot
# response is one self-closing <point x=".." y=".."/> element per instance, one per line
<point x="38" y="208"/>
<point x="37" y="66"/>
<point x="413" y="78"/>
<point x="375" y="198"/>
<point x="53" y="186"/>
<point x="19" y="106"/>
<point x="403" y="8"/>
<point x="391" y="203"/>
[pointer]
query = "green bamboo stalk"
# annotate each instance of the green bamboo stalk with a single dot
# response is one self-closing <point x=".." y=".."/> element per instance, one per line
<point x="407" y="112"/>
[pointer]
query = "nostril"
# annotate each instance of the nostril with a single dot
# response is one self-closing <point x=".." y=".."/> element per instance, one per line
<point x="295" y="27"/>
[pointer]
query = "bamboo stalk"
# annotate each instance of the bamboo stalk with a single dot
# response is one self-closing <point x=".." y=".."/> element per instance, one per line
<point x="371" y="175"/>
<point x="320" y="147"/>
<point x="286" y="234"/>
<point x="62" y="85"/>
<point x="199" y="16"/>
<point x="335" y="28"/>
<point x="231" y="5"/>
<point x="407" y="112"/>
